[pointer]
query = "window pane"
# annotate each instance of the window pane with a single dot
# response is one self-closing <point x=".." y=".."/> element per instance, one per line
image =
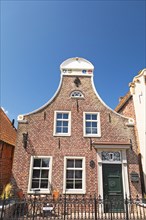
<point x="94" y="117"/>
<point x="59" y="123"/>
<point x="88" y="116"/>
<point x="70" y="163"/>
<point x="78" y="184"/>
<point x="65" y="130"/>
<point x="65" y="116"/>
<point x="78" y="163"/>
<point x="44" y="184"/>
<point x="88" y="124"/>
<point x="94" y="130"/>
<point x="45" y="162"/>
<point x="35" y="184"/>
<point x="37" y="163"/>
<point x="78" y="174"/>
<point x="69" y="184"/>
<point x="94" y="124"/>
<point x="70" y="174"/>
<point x="65" y="123"/>
<point x="36" y="174"/>
<point x="58" y="130"/>
<point x="88" y="130"/>
<point x="59" y="115"/>
<point x="44" y="174"/>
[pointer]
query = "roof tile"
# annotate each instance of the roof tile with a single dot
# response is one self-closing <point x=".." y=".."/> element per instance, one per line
<point x="123" y="101"/>
<point x="7" y="131"/>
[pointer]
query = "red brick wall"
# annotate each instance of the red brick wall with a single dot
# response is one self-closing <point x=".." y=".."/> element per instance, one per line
<point x="6" y="159"/>
<point x="41" y="141"/>
<point x="129" y="111"/>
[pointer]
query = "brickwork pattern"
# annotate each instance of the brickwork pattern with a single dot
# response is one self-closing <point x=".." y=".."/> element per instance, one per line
<point x="128" y="110"/>
<point x="6" y="159"/>
<point x="41" y="141"/>
<point x="7" y="143"/>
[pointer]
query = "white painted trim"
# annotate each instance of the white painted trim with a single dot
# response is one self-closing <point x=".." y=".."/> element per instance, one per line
<point x="78" y="74"/>
<point x="96" y="93"/>
<point x="69" y="124"/>
<point x="49" y="102"/>
<point x="75" y="191"/>
<point x="125" y="174"/>
<point x="45" y="191"/>
<point x="76" y="63"/>
<point x="138" y="87"/>
<point x="99" y="174"/>
<point x="111" y="146"/>
<point x="98" y="125"/>
<point x="143" y="72"/>
<point x="59" y="87"/>
<point x="123" y="162"/>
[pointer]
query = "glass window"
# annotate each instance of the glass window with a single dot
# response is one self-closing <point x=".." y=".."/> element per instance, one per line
<point x="76" y="94"/>
<point x="111" y="156"/>
<point x="91" y="124"/>
<point x="62" y="123"/>
<point x="74" y="174"/>
<point x="40" y="173"/>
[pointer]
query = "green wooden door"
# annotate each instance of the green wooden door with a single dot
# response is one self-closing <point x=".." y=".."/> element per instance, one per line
<point x="113" y="188"/>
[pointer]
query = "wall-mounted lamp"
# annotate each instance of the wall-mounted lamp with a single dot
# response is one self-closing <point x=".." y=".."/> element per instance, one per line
<point x="25" y="139"/>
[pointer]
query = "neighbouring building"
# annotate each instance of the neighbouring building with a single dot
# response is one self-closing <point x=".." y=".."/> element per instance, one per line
<point x="7" y="145"/>
<point x="133" y="105"/>
<point x="75" y="143"/>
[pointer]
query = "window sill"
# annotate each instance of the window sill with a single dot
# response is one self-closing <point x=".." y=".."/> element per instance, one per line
<point x="38" y="192"/>
<point x="92" y="135"/>
<point x="62" y="135"/>
<point x="74" y="192"/>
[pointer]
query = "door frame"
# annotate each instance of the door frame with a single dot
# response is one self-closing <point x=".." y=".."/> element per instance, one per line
<point x="123" y="162"/>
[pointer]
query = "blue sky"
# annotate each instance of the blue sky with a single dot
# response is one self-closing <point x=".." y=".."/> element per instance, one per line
<point x="37" y="36"/>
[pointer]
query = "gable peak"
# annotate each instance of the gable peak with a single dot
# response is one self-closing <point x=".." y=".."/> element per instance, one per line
<point x="76" y="66"/>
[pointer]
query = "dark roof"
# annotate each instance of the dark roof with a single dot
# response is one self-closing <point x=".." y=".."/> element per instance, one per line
<point x="7" y="130"/>
<point x="123" y="101"/>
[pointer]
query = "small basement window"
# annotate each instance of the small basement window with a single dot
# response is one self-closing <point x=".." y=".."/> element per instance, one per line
<point x="77" y="94"/>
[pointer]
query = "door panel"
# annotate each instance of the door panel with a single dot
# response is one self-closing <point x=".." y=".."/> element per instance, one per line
<point x="113" y="187"/>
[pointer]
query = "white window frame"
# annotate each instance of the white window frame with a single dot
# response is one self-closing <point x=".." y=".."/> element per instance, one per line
<point x="98" y="125"/>
<point x="76" y="96"/>
<point x="39" y="191"/>
<point x="69" y="123"/>
<point x="75" y="191"/>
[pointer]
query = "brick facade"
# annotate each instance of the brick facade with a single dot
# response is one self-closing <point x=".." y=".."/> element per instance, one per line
<point x="126" y="108"/>
<point x="7" y="144"/>
<point x="41" y="142"/>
